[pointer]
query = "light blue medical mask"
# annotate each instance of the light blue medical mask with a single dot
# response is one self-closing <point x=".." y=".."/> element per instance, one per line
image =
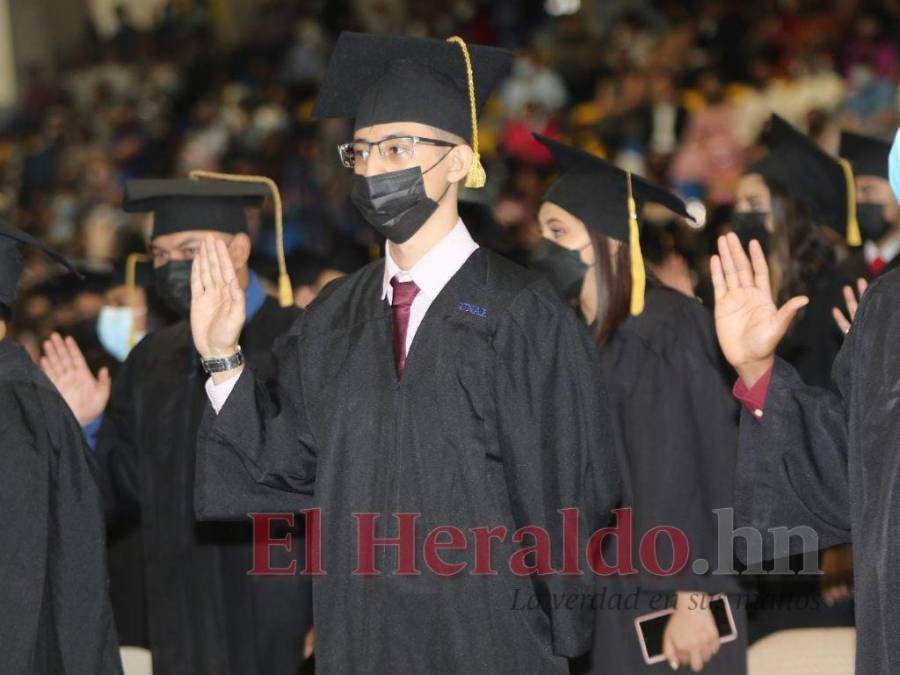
<point x="894" y="166"/>
<point x="114" y="328"/>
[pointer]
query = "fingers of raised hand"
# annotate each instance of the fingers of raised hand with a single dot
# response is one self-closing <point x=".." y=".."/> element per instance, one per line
<point x="215" y="264"/>
<point x="64" y="359"/>
<point x="842" y="322"/>
<point x="226" y="267"/>
<point x="741" y="261"/>
<point x="204" y="265"/>
<point x="75" y="355"/>
<point x="718" y="277"/>
<point x="728" y="269"/>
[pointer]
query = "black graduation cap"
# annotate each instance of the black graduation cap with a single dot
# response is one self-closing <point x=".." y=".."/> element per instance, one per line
<point x="813" y="177"/>
<point x="190" y="204"/>
<point x="869" y="156"/>
<point x="608" y="199"/>
<point x="12" y="261"/>
<point x="380" y="79"/>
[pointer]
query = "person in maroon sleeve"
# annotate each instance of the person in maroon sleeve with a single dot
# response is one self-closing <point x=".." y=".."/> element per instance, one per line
<point x="826" y="459"/>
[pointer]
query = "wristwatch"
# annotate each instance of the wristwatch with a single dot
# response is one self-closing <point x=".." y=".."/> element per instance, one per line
<point x="221" y="365"/>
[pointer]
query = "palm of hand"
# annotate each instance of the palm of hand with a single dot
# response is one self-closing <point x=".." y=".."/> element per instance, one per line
<point x="747" y="324"/>
<point x="85" y="394"/>
<point x="216" y="320"/>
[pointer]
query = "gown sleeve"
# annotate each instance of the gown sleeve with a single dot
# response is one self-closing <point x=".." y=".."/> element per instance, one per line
<point x="258" y="454"/>
<point x="793" y="464"/>
<point x="554" y="440"/>
<point x="678" y="425"/>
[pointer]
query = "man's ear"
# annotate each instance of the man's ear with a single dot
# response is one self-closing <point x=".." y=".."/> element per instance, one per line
<point x="459" y="162"/>
<point x="239" y="250"/>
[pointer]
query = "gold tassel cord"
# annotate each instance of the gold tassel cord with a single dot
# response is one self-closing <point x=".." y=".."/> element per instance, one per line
<point x="477" y="176"/>
<point x="285" y="291"/>
<point x="638" y="274"/>
<point x="854" y="237"/>
<point x="131" y="284"/>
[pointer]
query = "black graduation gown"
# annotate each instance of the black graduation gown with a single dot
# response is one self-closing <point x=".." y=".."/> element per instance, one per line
<point x="830" y="460"/>
<point x="56" y="617"/>
<point x="675" y="418"/>
<point x="205" y="614"/>
<point x="494" y="423"/>
<point x="786" y="601"/>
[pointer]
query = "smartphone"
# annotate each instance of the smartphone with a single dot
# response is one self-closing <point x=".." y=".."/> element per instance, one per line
<point x="651" y="628"/>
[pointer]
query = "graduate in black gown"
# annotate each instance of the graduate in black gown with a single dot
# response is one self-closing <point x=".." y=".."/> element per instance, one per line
<point x="877" y="209"/>
<point x="822" y="458"/>
<point x="441" y="381"/>
<point x="205" y="613"/>
<point x="785" y="200"/>
<point x="672" y="411"/>
<point x="56" y="615"/>
<point x="788" y="201"/>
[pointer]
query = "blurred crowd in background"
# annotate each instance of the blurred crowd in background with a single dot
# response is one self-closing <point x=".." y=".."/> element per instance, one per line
<point x="676" y="90"/>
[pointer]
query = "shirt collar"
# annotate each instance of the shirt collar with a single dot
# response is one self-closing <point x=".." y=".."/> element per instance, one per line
<point x="436" y="267"/>
<point x="255" y="296"/>
<point x="888" y="252"/>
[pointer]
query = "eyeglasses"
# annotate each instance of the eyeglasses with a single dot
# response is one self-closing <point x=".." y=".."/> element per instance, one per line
<point x="395" y="151"/>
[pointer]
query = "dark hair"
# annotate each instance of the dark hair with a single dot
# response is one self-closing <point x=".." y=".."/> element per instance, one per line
<point x="5" y="313"/>
<point x="798" y="250"/>
<point x="612" y="271"/>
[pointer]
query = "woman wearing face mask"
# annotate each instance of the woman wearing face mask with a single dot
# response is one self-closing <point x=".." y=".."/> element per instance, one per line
<point x="783" y="201"/>
<point x="673" y="415"/>
<point x="122" y="321"/>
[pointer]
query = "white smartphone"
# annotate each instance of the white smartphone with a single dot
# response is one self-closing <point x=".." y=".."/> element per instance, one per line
<point x="651" y="628"/>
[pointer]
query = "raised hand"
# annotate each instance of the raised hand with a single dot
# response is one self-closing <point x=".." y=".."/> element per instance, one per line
<point x="691" y="637"/>
<point x="842" y="321"/>
<point x="64" y="364"/>
<point x="217" y="301"/>
<point x="748" y="323"/>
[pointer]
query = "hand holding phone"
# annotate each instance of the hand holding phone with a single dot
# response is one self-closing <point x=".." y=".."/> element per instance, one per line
<point x="686" y="634"/>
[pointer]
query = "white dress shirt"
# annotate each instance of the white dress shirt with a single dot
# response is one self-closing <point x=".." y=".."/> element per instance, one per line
<point x="888" y="252"/>
<point x="430" y="274"/>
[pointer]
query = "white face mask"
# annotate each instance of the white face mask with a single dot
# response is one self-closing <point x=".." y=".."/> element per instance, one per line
<point x="115" y="329"/>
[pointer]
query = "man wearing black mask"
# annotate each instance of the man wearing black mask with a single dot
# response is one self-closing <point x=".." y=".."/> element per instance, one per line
<point x="442" y="382"/>
<point x="877" y="209"/>
<point x="205" y="613"/>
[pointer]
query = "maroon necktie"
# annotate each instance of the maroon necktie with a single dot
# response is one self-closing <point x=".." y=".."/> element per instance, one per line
<point x="404" y="294"/>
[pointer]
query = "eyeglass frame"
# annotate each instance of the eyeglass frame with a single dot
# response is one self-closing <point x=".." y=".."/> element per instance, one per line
<point x="424" y="140"/>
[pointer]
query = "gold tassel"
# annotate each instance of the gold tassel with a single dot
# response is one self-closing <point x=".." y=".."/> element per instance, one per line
<point x="285" y="292"/>
<point x="131" y="283"/>
<point x="638" y="275"/>
<point x="854" y="238"/>
<point x="476" y="177"/>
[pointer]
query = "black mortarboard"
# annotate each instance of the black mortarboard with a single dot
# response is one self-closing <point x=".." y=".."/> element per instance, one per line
<point x="12" y="260"/>
<point x="379" y="79"/>
<point x="867" y="155"/>
<point x="823" y="184"/>
<point x="190" y="204"/>
<point x="607" y="199"/>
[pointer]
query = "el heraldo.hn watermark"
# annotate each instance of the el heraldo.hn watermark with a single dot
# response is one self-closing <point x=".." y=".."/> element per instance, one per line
<point x="662" y="550"/>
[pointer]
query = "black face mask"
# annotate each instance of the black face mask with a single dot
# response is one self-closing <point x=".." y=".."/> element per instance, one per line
<point x="749" y="226"/>
<point x="872" y="224"/>
<point x="562" y="267"/>
<point x="172" y="283"/>
<point x="395" y="203"/>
